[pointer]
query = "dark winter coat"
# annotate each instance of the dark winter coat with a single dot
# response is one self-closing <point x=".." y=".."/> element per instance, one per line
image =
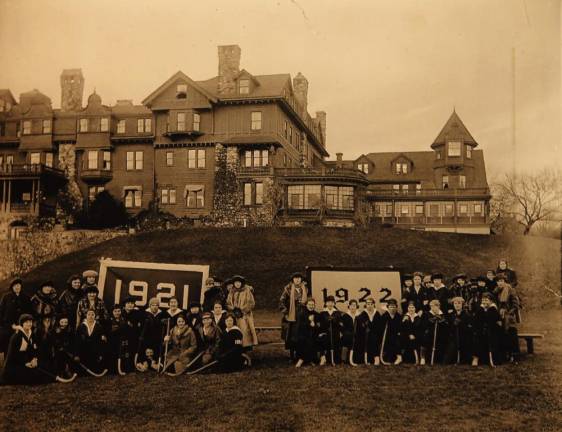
<point x="461" y="337"/>
<point x="488" y="333"/>
<point x="91" y="347"/>
<point x="12" y="306"/>
<point x="435" y="328"/>
<point x="152" y="333"/>
<point x="331" y="328"/>
<point x="411" y="326"/>
<point x="419" y="298"/>
<point x="102" y="316"/>
<point x="391" y="337"/>
<point x="211" y="296"/>
<point x="220" y="321"/>
<point x="231" y="350"/>
<point x="308" y="328"/>
<point x="21" y="350"/>
<point x="370" y="334"/>
<point x="209" y="340"/>
<point x="44" y="304"/>
<point x="442" y="294"/>
<point x="68" y="304"/>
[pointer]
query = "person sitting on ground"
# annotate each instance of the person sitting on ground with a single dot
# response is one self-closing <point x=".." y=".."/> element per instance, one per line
<point x="182" y="346"/>
<point x="231" y="351"/>
<point x="209" y="335"/>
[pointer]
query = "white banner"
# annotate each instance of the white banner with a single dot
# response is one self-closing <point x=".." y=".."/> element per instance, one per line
<point x="359" y="284"/>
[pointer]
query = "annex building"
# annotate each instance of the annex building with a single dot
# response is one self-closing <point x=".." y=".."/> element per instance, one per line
<point x="236" y="148"/>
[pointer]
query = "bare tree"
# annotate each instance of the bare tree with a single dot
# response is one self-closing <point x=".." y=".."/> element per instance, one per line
<point x="529" y="198"/>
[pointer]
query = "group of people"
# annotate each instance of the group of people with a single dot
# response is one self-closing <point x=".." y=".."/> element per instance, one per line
<point x="470" y="321"/>
<point x="51" y="337"/>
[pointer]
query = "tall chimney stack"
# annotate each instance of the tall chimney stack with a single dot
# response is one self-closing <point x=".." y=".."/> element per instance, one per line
<point x="72" y="89"/>
<point x="300" y="87"/>
<point x="229" y="68"/>
<point x="321" y="119"/>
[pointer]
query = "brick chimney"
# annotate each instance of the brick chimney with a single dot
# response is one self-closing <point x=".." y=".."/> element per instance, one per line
<point x="339" y="160"/>
<point x="72" y="89"/>
<point x="300" y="87"/>
<point x="229" y="68"/>
<point x="321" y="119"/>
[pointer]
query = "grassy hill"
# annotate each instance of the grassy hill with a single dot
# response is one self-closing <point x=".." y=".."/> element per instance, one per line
<point x="267" y="256"/>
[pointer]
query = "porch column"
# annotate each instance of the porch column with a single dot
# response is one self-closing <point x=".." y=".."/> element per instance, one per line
<point x="33" y="196"/>
<point x="8" y="206"/>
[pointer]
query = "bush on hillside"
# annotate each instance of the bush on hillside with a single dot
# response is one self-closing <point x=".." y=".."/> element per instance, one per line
<point x="106" y="212"/>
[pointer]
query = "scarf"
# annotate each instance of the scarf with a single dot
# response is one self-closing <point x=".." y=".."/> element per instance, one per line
<point x="292" y="316"/>
<point x="503" y="296"/>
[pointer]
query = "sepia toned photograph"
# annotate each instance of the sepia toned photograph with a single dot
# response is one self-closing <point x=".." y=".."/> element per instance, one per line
<point x="280" y="215"/>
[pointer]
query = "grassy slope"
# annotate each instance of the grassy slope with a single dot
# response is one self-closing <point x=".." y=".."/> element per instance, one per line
<point x="267" y="256"/>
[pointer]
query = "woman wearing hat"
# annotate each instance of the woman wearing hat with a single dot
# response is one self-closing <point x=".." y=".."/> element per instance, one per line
<point x="92" y="302"/>
<point x="13" y="304"/>
<point x="151" y="334"/>
<point x="209" y="338"/>
<point x="460" y="287"/>
<point x="213" y="293"/>
<point x="308" y="328"/>
<point x="182" y="348"/>
<point x="417" y="293"/>
<point x="90" y="279"/>
<point x="510" y="275"/>
<point x="68" y="300"/>
<point x="438" y="291"/>
<point x="292" y="300"/>
<point x="45" y="300"/>
<point x="509" y="307"/>
<point x="487" y="333"/>
<point x="240" y="302"/>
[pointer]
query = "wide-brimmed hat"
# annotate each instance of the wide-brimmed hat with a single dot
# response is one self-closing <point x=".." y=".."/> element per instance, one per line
<point x="436" y="276"/>
<point x="297" y="275"/>
<point x="408" y="277"/>
<point x="238" y="278"/>
<point x="460" y="276"/>
<point x="207" y="315"/>
<point x="89" y="273"/>
<point x="330" y="298"/>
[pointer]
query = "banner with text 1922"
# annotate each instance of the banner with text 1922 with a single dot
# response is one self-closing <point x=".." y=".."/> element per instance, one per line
<point x="354" y="283"/>
<point x="144" y="280"/>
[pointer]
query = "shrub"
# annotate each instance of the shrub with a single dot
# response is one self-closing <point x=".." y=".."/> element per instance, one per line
<point x="106" y="212"/>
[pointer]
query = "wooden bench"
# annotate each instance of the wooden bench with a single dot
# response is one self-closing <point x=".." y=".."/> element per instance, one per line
<point x="529" y="339"/>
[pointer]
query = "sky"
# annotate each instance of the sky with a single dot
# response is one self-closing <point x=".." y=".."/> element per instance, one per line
<point x="387" y="72"/>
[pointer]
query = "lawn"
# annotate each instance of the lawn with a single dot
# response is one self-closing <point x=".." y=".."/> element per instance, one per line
<point x="273" y="396"/>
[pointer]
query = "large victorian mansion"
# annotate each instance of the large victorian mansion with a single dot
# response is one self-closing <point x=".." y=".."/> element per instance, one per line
<point x="236" y="148"/>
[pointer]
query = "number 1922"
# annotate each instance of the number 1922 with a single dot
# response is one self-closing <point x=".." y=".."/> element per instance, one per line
<point x="342" y="295"/>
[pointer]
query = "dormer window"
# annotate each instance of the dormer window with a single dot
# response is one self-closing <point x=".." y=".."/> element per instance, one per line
<point x="468" y="152"/>
<point x="454" y="149"/>
<point x="364" y="167"/>
<point x="181" y="91"/>
<point x="401" y="168"/>
<point x="244" y="86"/>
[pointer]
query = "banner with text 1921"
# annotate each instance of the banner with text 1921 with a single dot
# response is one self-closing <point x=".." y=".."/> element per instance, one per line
<point x="354" y="283"/>
<point x="144" y="280"/>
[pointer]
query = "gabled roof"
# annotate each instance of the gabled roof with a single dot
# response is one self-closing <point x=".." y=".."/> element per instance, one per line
<point x="270" y="86"/>
<point x="178" y="74"/>
<point x="401" y="156"/>
<point x="7" y="94"/>
<point x="244" y="73"/>
<point x="454" y="129"/>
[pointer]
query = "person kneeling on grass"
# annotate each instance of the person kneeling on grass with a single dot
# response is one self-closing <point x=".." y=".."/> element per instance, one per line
<point x="182" y="346"/>
<point x="91" y="343"/>
<point x="231" y="351"/>
<point x="307" y="334"/>
<point x="209" y="338"/>
<point x="435" y="334"/>
<point x="390" y="339"/>
<point x="21" y="361"/>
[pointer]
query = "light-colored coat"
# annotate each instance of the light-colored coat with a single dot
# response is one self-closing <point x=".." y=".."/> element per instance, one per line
<point x="243" y="299"/>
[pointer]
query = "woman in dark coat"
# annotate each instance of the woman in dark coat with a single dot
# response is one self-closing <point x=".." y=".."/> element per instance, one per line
<point x="293" y="298"/>
<point x="172" y="313"/>
<point x="68" y="300"/>
<point x="219" y="315"/>
<point x="439" y="292"/>
<point x="417" y="293"/>
<point x="461" y="336"/>
<point x="13" y="304"/>
<point x="350" y="340"/>
<point x="487" y="333"/>
<point x="308" y="327"/>
<point x="92" y="302"/>
<point x="90" y="345"/>
<point x="391" y="349"/>
<point x="370" y="333"/>
<point x="209" y="337"/>
<point x="45" y="300"/>
<point x="411" y="334"/>
<point x="510" y="275"/>
<point x="63" y="345"/>
<point x="330" y="334"/>
<point x="151" y="336"/>
<point x="213" y="293"/>
<point x="509" y="307"/>
<point x="231" y="349"/>
<point x="21" y="366"/>
<point x="435" y="334"/>
<point x="45" y="343"/>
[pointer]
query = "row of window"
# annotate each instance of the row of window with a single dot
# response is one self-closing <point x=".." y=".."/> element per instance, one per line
<point x="429" y="209"/>
<point x="310" y="197"/>
<point x="243" y="88"/>
<point x="196" y="158"/>
<point x="181" y="122"/>
<point x="454" y="149"/>
<point x="34" y="159"/>
<point x="135" y="159"/>
<point x="144" y="125"/>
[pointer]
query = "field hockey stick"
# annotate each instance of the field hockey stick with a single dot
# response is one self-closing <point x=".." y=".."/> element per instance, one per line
<point x="434" y="342"/>
<point x="366" y="354"/>
<point x="83" y="366"/>
<point x="416" y="356"/>
<point x="332" y="344"/>
<point x="119" y="370"/>
<point x="381" y="354"/>
<point x="57" y="377"/>
<point x="166" y="348"/>
<point x="197" y="357"/>
<point x="458" y="347"/>
<point x="490" y="356"/>
<point x="353" y="343"/>
<point x="202" y="368"/>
